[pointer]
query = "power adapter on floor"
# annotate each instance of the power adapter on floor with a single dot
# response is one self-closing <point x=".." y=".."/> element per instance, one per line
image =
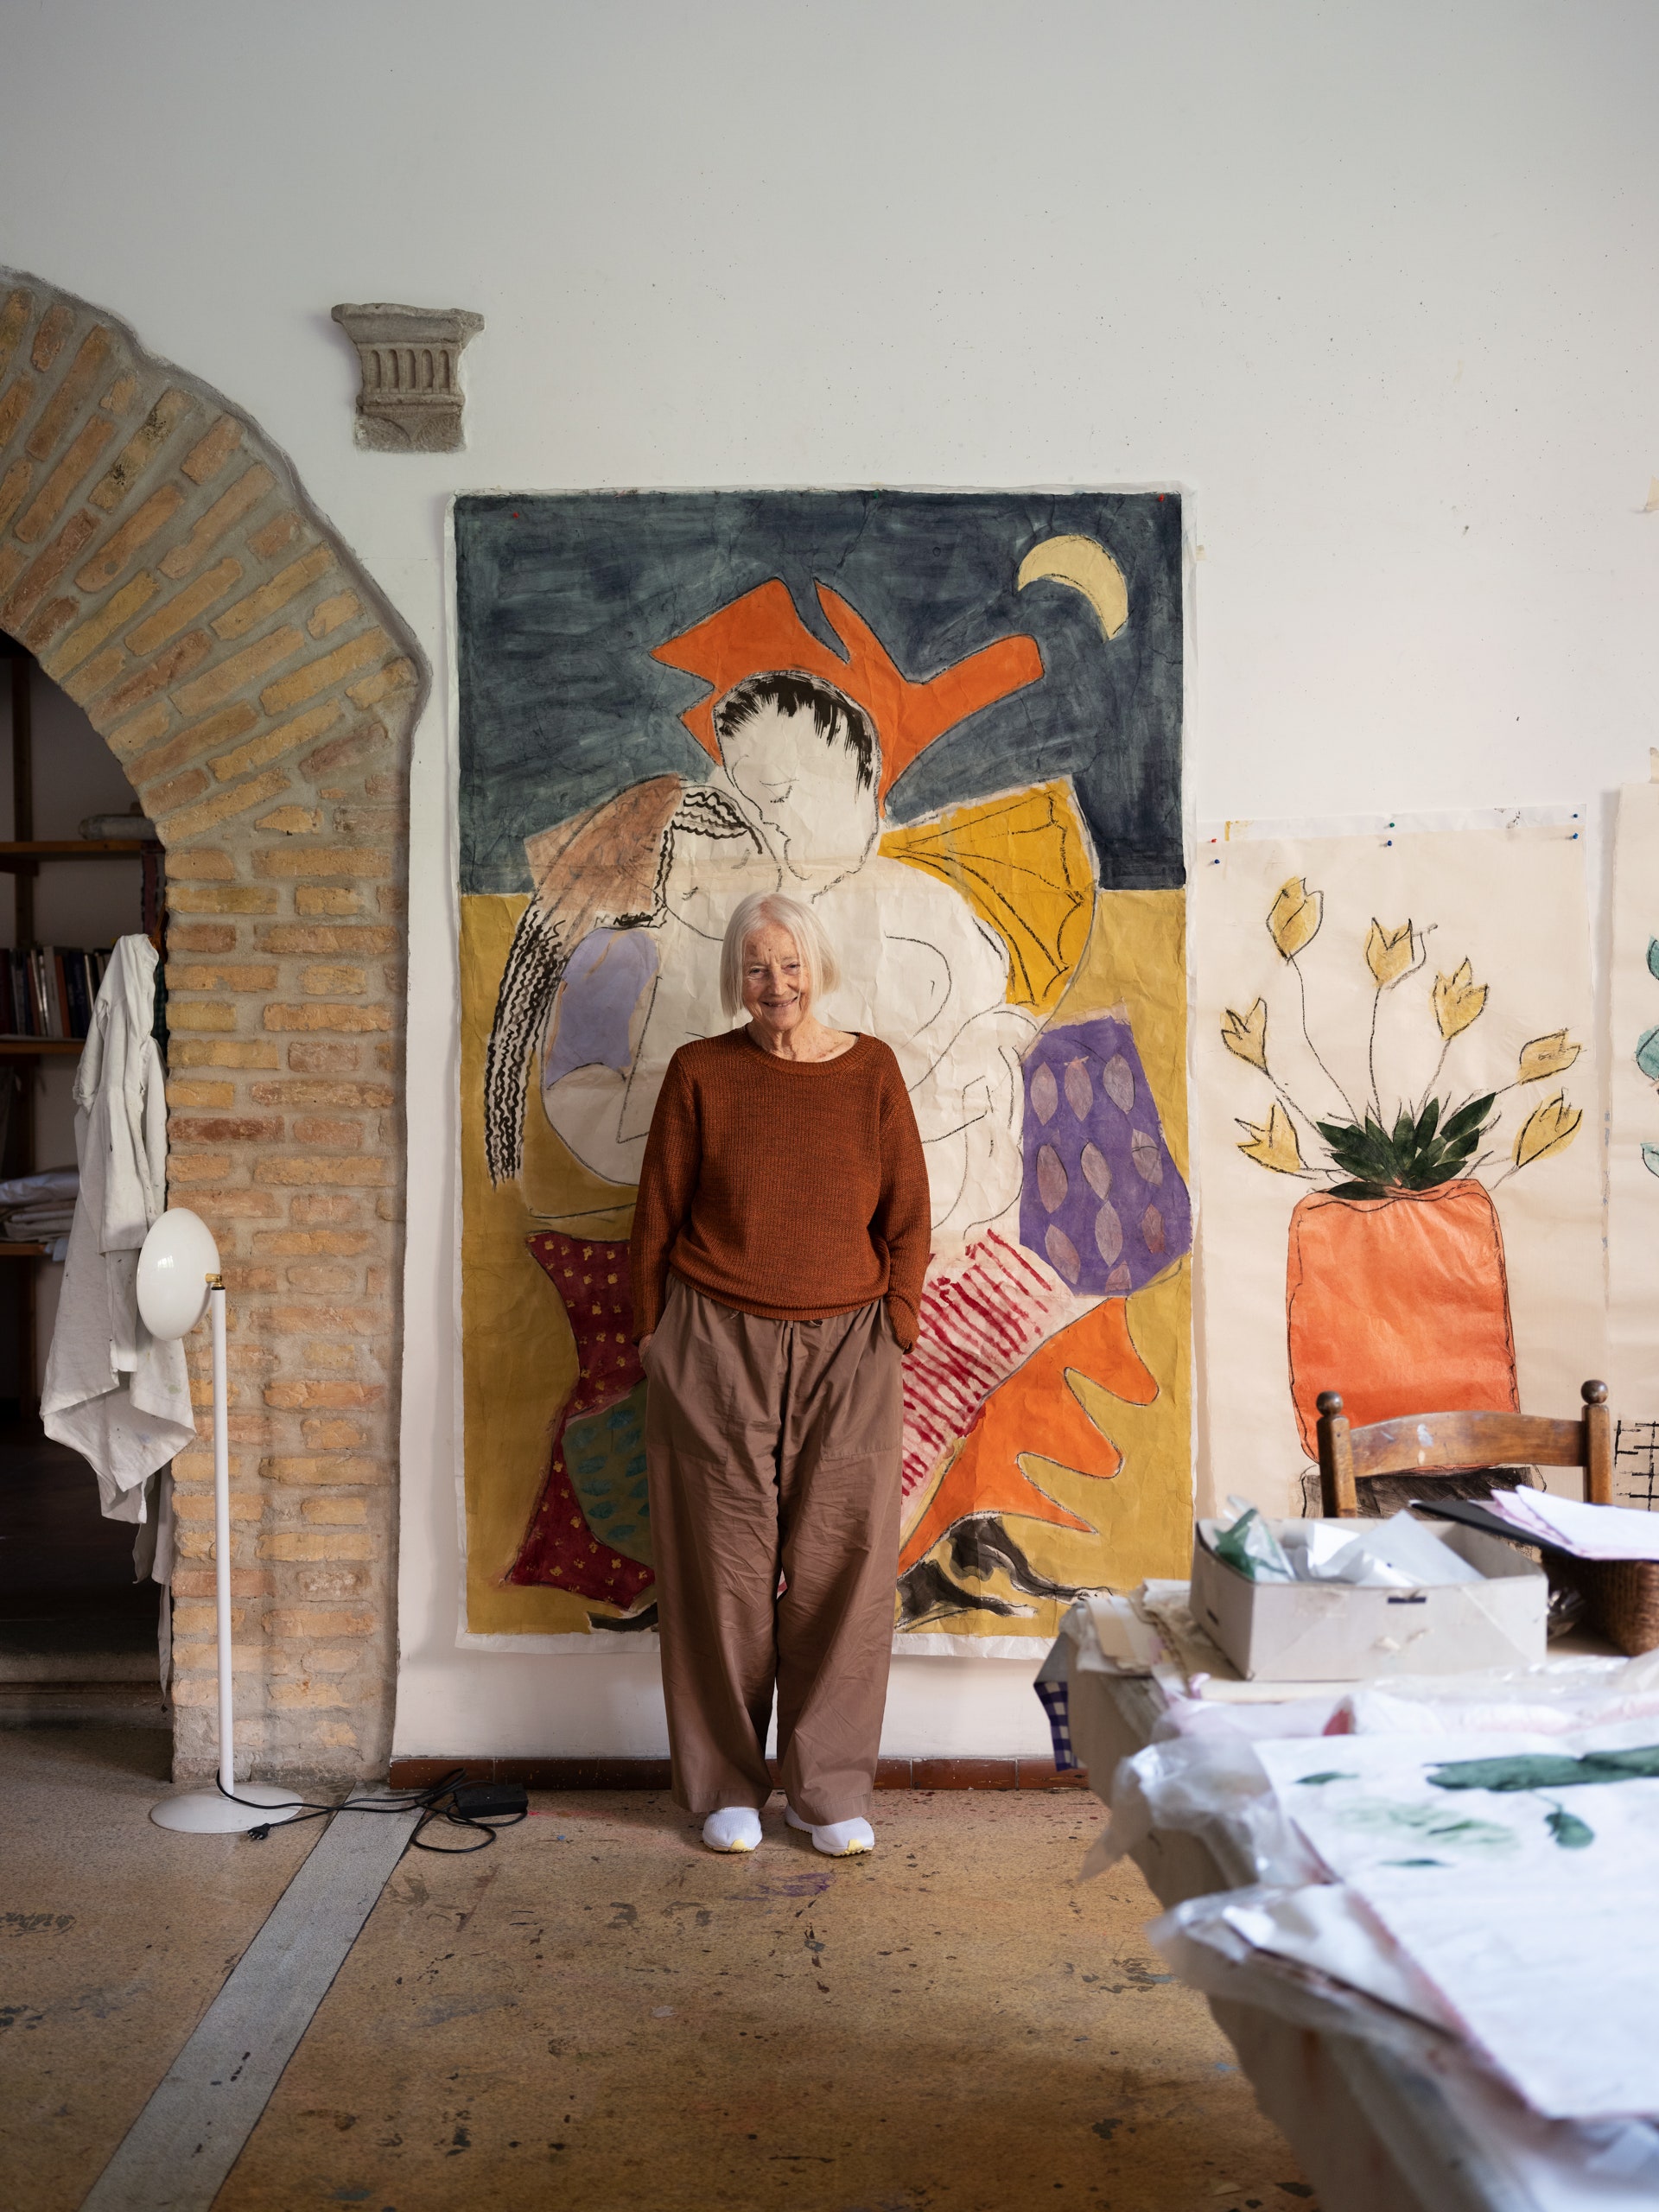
<point x="480" y="1806"/>
<point x="485" y="1801"/>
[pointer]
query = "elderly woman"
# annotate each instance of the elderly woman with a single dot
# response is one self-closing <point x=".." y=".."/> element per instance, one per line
<point x="780" y="1242"/>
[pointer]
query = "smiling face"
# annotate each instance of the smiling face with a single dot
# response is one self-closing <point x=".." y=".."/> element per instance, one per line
<point x="804" y="790"/>
<point x="775" y="995"/>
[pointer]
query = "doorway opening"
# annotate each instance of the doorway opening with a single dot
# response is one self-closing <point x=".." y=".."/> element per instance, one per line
<point x="82" y="1625"/>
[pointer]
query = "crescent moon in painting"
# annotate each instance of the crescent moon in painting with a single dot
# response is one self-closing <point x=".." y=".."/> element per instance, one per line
<point x="1086" y="565"/>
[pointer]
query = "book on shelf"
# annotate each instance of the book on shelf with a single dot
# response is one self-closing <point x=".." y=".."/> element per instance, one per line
<point x="49" y="990"/>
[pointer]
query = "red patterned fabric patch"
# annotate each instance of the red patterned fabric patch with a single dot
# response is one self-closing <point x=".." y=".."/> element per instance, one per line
<point x="588" y="1534"/>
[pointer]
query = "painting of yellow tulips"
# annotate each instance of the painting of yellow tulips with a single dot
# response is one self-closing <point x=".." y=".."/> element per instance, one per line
<point x="1396" y="1277"/>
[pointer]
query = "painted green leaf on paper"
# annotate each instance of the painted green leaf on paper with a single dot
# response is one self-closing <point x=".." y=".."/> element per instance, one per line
<point x="1646" y="1055"/>
<point x="1620" y="1765"/>
<point x="1546" y="1770"/>
<point x="1515" y="1771"/>
<point x="1650" y="1158"/>
<point x="1315" y="1780"/>
<point x="1571" y="1833"/>
<point x="1653" y="957"/>
<point x="1432" y="1823"/>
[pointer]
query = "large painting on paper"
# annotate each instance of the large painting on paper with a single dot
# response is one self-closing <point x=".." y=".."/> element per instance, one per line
<point x="999" y="862"/>
<point x="1394" y="1064"/>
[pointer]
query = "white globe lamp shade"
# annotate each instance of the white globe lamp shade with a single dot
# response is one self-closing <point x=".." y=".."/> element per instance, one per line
<point x="179" y="1255"/>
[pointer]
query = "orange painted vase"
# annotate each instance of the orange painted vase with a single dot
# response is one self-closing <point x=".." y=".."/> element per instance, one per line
<point x="1401" y="1304"/>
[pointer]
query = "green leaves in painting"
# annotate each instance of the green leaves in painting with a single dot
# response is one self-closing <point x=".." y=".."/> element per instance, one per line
<point x="1646" y="1055"/>
<point x="1318" y="1781"/>
<point x="1650" y="1158"/>
<point x="1653" y="957"/>
<point x="1414" y="1155"/>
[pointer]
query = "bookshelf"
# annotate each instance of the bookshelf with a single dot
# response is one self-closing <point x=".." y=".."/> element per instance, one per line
<point x="17" y="855"/>
<point x="23" y="857"/>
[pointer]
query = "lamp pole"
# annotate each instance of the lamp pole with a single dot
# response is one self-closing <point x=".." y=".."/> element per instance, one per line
<point x="179" y="1276"/>
<point x="222" y="1536"/>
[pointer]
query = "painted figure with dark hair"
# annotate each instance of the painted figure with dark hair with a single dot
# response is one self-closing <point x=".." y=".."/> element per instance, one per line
<point x="791" y="806"/>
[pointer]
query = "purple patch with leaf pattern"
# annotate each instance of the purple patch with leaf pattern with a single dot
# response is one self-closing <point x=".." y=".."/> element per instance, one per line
<point x="1101" y="1201"/>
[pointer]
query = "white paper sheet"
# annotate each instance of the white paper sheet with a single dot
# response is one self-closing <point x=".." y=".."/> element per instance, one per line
<point x="1366" y="1802"/>
<point x="1590" y="1531"/>
<point x="1324" y="1926"/>
<point x="1530" y="1910"/>
<point x="1252" y="1945"/>
<point x="1554" y="1982"/>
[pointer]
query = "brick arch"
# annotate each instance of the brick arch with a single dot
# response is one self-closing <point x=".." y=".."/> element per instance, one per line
<point x="159" y="558"/>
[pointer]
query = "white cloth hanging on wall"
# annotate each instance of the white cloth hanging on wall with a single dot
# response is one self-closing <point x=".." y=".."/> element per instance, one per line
<point x="112" y="1391"/>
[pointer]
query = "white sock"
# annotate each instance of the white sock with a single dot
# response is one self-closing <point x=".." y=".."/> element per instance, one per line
<point x="838" y="1838"/>
<point x="734" y="1827"/>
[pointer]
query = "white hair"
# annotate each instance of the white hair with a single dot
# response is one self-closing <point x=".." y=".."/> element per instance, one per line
<point x="820" y="970"/>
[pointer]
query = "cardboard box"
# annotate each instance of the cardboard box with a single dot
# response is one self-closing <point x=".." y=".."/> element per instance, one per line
<point x="1335" y="1632"/>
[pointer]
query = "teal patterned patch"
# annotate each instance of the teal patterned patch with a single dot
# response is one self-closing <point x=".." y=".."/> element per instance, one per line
<point x="605" y="1460"/>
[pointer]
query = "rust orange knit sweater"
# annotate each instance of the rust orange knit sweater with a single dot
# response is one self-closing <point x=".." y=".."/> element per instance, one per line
<point x="787" y="1188"/>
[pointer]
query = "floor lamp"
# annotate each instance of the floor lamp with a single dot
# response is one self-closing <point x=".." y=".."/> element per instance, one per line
<point x="179" y="1281"/>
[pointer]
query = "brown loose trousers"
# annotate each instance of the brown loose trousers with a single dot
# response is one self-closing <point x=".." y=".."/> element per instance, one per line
<point x="774" y="1446"/>
<point x="780" y="1242"/>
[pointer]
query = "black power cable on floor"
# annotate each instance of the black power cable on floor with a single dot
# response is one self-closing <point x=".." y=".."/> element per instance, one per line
<point x="484" y="1807"/>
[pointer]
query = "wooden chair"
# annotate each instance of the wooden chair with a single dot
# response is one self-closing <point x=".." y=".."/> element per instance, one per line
<point x="1443" y="1444"/>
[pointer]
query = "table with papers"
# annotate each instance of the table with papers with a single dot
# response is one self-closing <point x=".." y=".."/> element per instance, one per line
<point x="1382" y="2077"/>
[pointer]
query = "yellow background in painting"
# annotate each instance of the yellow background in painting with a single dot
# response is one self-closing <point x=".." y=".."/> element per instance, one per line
<point x="1136" y="959"/>
<point x="1141" y="1517"/>
<point x="519" y="1357"/>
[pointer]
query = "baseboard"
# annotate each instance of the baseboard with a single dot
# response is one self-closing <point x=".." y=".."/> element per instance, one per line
<point x="653" y="1774"/>
<point x="112" y="1705"/>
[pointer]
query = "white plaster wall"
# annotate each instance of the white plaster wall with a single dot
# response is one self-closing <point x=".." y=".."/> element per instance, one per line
<point x="1376" y="281"/>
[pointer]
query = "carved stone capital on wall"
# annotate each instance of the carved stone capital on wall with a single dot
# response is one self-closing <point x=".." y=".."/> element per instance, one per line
<point x="411" y="397"/>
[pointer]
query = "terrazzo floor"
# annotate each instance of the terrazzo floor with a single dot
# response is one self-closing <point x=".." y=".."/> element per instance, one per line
<point x="595" y="2012"/>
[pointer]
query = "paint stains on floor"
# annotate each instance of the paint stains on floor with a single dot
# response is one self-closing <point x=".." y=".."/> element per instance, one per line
<point x="117" y="1936"/>
<point x="598" y="2013"/>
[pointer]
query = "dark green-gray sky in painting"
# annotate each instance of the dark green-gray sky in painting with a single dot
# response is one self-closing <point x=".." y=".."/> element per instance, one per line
<point x="561" y="599"/>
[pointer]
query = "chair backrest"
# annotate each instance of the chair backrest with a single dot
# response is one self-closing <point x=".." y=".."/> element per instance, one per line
<point x="1443" y="1444"/>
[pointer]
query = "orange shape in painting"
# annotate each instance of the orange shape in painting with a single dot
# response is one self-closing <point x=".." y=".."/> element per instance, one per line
<point x="1399" y="1303"/>
<point x="1114" y="1362"/>
<point x="1036" y="1411"/>
<point x="762" y="630"/>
